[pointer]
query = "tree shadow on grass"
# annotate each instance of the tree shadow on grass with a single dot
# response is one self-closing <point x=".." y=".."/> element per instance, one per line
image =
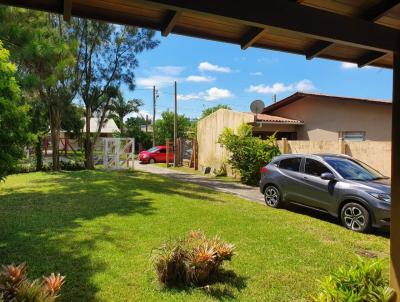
<point x="221" y="286"/>
<point x="40" y="220"/>
<point x="39" y="224"/>
<point x="328" y="218"/>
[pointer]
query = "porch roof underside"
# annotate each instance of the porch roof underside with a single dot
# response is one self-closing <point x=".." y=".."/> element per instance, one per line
<point x="364" y="32"/>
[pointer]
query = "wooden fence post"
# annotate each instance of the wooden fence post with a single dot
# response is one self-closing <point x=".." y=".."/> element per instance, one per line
<point x="167" y="158"/>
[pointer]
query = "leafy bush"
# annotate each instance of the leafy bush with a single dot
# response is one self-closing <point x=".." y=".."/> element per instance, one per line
<point x="192" y="260"/>
<point x="69" y="165"/>
<point x="362" y="282"/>
<point x="248" y="154"/>
<point x="16" y="287"/>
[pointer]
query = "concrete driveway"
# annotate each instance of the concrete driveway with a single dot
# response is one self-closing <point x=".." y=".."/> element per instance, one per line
<point x="246" y="192"/>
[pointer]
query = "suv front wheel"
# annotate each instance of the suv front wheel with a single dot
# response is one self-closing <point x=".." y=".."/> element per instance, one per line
<point x="355" y="217"/>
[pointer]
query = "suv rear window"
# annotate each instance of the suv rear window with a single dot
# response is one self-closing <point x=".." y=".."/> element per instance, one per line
<point x="291" y="164"/>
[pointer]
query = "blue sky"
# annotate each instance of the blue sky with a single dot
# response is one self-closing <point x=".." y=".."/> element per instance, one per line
<point x="210" y="73"/>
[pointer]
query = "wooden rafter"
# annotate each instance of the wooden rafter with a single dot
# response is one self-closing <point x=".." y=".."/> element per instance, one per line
<point x="169" y="23"/>
<point x="251" y="37"/>
<point x="302" y="19"/>
<point x="369" y="57"/>
<point x="67" y="10"/>
<point x="372" y="14"/>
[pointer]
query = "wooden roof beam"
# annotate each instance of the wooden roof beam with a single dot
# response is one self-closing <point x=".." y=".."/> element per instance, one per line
<point x="379" y="10"/>
<point x="251" y="37"/>
<point x="302" y="19"/>
<point x="170" y="21"/>
<point x="317" y="49"/>
<point x="372" y="14"/>
<point x="67" y="10"/>
<point x="369" y="58"/>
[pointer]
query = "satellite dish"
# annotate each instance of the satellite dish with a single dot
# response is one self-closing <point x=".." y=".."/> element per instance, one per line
<point x="257" y="106"/>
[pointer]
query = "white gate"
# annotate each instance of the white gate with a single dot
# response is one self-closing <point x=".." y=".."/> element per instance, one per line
<point x="118" y="153"/>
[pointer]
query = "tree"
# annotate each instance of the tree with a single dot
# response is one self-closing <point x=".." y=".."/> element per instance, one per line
<point x="121" y="108"/>
<point x="248" y="154"/>
<point x="208" y="111"/>
<point x="165" y="127"/>
<point x="143" y="140"/>
<point x="44" y="52"/>
<point x="106" y="60"/>
<point x="39" y="125"/>
<point x="14" y="132"/>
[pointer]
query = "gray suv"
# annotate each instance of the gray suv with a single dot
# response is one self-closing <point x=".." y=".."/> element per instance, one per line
<point x="337" y="184"/>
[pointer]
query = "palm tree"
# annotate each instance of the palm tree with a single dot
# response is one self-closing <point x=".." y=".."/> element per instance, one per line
<point x="122" y="108"/>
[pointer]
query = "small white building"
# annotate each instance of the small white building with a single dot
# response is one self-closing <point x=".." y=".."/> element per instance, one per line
<point x="109" y="127"/>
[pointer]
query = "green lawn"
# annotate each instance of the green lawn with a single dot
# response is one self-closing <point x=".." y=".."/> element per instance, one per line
<point x="188" y="170"/>
<point x="99" y="229"/>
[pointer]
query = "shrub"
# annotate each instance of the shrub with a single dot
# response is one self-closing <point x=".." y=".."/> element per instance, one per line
<point x="248" y="154"/>
<point x="16" y="287"/>
<point x="191" y="260"/>
<point x="362" y="282"/>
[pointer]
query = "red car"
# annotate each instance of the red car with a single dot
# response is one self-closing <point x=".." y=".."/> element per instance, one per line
<point x="157" y="154"/>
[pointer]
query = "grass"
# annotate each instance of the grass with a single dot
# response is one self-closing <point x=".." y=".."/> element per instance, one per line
<point x="188" y="170"/>
<point x="99" y="229"/>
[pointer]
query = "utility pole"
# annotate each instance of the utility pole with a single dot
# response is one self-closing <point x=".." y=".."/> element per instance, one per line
<point x="175" y="124"/>
<point x="154" y="116"/>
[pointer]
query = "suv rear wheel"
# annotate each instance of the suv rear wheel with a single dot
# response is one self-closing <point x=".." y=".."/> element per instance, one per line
<point x="272" y="196"/>
<point x="355" y="217"/>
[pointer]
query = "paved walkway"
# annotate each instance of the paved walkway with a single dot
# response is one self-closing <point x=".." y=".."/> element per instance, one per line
<point x="246" y="192"/>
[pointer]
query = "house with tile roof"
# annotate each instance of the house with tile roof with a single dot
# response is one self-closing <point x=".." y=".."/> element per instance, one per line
<point x="300" y="117"/>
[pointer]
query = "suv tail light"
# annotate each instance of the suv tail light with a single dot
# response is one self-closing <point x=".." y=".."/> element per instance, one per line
<point x="263" y="170"/>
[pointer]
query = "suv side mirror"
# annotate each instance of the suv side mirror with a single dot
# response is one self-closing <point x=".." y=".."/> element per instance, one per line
<point x="328" y="176"/>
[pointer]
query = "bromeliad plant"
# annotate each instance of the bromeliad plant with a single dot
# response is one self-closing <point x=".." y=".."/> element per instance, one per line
<point x="16" y="287"/>
<point x="362" y="282"/>
<point x="192" y="260"/>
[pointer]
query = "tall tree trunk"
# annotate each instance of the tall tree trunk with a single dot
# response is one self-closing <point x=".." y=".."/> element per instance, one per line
<point x="89" y="163"/>
<point x="55" y="137"/>
<point x="39" y="153"/>
<point x="121" y="121"/>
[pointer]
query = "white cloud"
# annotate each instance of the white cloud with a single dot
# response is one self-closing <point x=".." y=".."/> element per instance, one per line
<point x="160" y="81"/>
<point x="170" y="70"/>
<point x="215" y="93"/>
<point x="348" y="65"/>
<point x="266" y="89"/>
<point x="276" y="88"/>
<point x="206" y="66"/>
<point x="211" y="94"/>
<point x="305" y="85"/>
<point x="198" y="79"/>
<point x="257" y="73"/>
<point x="189" y="97"/>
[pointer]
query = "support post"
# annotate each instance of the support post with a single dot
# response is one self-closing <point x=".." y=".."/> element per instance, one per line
<point x="342" y="146"/>
<point x="175" y="124"/>
<point x="154" y="116"/>
<point x="284" y="145"/>
<point x="395" y="207"/>
<point x="133" y="153"/>
<point x="168" y="151"/>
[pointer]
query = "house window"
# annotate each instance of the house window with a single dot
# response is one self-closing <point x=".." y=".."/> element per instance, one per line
<point x="355" y="136"/>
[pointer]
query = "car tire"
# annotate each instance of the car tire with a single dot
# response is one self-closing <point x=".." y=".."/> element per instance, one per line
<point x="355" y="217"/>
<point x="152" y="161"/>
<point x="272" y="196"/>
